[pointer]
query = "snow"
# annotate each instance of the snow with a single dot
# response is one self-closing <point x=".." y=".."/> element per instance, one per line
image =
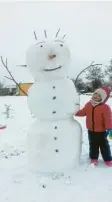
<point x="18" y="183"/>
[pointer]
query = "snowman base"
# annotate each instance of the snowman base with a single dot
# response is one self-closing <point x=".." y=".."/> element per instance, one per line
<point x="54" y="146"/>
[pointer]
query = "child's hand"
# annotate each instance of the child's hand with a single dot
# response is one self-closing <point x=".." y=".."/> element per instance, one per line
<point x="109" y="133"/>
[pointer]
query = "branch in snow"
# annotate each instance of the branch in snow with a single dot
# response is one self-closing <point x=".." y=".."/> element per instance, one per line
<point x="8" y="111"/>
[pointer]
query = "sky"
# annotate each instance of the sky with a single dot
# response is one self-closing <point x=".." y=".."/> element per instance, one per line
<point x="86" y="24"/>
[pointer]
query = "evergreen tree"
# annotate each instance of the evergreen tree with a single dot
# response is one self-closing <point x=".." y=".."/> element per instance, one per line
<point x="108" y="72"/>
<point x="95" y="76"/>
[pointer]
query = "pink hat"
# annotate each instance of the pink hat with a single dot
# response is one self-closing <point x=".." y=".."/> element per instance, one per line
<point x="104" y="92"/>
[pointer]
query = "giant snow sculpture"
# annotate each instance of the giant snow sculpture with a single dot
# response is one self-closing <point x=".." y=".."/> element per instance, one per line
<point x="55" y="139"/>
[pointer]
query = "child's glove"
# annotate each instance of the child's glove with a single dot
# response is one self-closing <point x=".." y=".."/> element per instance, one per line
<point x="109" y="133"/>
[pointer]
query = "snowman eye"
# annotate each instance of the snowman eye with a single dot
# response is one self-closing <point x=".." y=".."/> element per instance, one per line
<point x="61" y="45"/>
<point x="41" y="43"/>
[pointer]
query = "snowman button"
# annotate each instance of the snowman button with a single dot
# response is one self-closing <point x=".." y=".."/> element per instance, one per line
<point x="55" y="138"/>
<point x="54" y="97"/>
<point x="56" y="150"/>
<point x="54" y="87"/>
<point x="54" y="112"/>
<point x="55" y="127"/>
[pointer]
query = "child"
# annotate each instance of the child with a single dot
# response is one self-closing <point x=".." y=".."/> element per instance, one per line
<point x="99" y="123"/>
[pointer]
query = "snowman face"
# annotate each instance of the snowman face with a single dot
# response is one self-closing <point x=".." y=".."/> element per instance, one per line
<point x="48" y="58"/>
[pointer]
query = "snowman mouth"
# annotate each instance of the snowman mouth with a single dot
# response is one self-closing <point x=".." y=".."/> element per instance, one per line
<point x="52" y="69"/>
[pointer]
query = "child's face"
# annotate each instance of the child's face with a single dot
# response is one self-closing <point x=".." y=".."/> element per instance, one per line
<point x="97" y="97"/>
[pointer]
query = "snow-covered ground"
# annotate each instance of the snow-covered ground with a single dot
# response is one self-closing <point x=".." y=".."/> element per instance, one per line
<point x="17" y="184"/>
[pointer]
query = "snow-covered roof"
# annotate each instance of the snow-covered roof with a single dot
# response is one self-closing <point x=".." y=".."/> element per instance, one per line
<point x="10" y="86"/>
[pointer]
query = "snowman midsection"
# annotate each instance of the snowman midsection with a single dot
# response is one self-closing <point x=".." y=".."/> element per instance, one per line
<point x="57" y="126"/>
<point x="52" y="107"/>
<point x="53" y="100"/>
<point x="52" y="110"/>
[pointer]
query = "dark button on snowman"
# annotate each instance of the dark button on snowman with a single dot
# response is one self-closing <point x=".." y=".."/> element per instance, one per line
<point x="54" y="140"/>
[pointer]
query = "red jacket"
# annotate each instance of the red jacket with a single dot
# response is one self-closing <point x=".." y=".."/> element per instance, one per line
<point x="98" y="119"/>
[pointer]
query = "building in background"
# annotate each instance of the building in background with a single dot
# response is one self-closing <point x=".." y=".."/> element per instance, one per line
<point x="9" y="87"/>
<point x="24" y="87"/>
<point x="14" y="90"/>
<point x="8" y="90"/>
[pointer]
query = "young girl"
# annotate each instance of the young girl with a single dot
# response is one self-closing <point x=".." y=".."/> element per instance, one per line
<point x="98" y="122"/>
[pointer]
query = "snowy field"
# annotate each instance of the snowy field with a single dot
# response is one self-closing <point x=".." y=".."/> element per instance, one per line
<point x="17" y="184"/>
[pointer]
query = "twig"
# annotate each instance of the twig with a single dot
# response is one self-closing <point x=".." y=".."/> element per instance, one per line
<point x="63" y="36"/>
<point x="35" y="35"/>
<point x="45" y="33"/>
<point x="57" y="32"/>
<point x="12" y="78"/>
<point x="8" y="78"/>
<point x="21" y="65"/>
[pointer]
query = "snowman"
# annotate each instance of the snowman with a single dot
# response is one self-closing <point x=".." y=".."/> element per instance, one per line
<point x="55" y="138"/>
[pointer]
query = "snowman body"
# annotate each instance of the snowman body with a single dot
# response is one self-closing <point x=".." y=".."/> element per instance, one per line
<point x="55" y="139"/>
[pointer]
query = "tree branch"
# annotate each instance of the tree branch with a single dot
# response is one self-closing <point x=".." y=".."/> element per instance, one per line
<point x="91" y="65"/>
<point x="35" y="35"/>
<point x="57" y="32"/>
<point x="21" y="65"/>
<point x="8" y="78"/>
<point x="45" y="33"/>
<point x="12" y="78"/>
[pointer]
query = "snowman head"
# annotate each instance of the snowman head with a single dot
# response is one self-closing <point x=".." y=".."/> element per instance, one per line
<point x="48" y="59"/>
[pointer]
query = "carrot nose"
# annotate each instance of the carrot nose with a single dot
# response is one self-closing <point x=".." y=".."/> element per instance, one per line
<point x="52" y="57"/>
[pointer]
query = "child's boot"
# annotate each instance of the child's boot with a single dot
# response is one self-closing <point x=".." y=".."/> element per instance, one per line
<point x="94" y="161"/>
<point x="108" y="163"/>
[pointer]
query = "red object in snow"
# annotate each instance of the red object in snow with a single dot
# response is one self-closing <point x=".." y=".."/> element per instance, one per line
<point x="52" y="57"/>
<point x="2" y="127"/>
